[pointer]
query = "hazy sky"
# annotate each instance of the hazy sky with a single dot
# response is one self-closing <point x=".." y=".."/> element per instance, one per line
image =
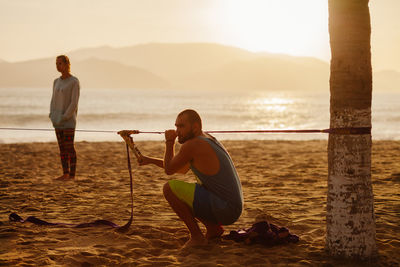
<point x="42" y="28"/>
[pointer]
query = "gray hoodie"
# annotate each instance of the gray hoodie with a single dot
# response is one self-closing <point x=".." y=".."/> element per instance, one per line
<point x="64" y="102"/>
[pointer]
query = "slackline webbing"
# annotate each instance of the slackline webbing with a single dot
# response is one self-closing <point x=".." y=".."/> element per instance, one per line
<point x="32" y="219"/>
<point x="52" y="130"/>
<point x="16" y="218"/>
<point x="342" y="130"/>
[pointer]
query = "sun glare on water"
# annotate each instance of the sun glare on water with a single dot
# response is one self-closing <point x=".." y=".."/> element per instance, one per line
<point x="274" y="104"/>
<point x="273" y="111"/>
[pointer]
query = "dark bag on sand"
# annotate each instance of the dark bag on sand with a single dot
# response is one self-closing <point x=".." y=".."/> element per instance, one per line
<point x="263" y="233"/>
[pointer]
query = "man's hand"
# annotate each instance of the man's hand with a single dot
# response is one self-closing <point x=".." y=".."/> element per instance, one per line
<point x="170" y="135"/>
<point x="142" y="160"/>
<point x="128" y="132"/>
<point x="125" y="134"/>
<point x="145" y="160"/>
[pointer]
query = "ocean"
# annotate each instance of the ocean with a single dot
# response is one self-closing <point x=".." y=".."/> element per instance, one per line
<point x="156" y="110"/>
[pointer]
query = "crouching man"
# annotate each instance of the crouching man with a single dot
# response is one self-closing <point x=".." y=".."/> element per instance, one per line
<point x="216" y="199"/>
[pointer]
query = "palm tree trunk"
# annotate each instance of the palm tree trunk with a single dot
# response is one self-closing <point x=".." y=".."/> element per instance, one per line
<point x="350" y="205"/>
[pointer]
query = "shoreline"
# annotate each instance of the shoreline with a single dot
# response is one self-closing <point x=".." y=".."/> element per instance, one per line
<point x="283" y="182"/>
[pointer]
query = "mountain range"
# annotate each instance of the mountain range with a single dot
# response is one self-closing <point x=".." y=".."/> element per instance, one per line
<point x="191" y="66"/>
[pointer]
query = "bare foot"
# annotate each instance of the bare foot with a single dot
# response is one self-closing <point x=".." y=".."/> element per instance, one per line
<point x="198" y="242"/>
<point x="214" y="232"/>
<point x="65" y="177"/>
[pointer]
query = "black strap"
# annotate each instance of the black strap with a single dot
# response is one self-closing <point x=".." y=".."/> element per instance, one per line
<point x="349" y="130"/>
<point x="16" y="218"/>
<point x="128" y="224"/>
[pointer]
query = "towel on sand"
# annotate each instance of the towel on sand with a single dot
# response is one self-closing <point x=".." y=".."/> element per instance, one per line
<point x="263" y="233"/>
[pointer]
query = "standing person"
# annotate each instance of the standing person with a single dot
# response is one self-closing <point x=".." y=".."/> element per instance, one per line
<point x="63" y="112"/>
<point x="216" y="199"/>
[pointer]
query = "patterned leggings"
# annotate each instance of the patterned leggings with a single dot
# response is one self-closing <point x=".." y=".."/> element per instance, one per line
<point x="65" y="138"/>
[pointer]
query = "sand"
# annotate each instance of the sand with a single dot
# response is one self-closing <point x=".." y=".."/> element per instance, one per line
<point x="283" y="182"/>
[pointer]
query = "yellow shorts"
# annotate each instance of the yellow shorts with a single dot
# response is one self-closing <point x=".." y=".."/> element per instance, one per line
<point x="183" y="190"/>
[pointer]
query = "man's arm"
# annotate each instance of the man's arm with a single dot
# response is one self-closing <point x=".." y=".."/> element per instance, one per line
<point x="142" y="160"/>
<point x="168" y="155"/>
<point x="179" y="163"/>
<point x="148" y="160"/>
<point x="160" y="163"/>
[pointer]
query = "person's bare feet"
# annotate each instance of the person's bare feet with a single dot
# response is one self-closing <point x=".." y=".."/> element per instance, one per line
<point x="214" y="232"/>
<point x="65" y="177"/>
<point x="195" y="242"/>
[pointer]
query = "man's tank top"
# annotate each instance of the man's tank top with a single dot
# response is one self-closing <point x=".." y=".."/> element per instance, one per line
<point x="225" y="184"/>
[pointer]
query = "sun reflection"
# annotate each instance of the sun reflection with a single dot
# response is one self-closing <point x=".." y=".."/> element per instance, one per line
<point x="276" y="104"/>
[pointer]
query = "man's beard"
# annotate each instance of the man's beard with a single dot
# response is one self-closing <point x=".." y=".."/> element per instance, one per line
<point x="189" y="136"/>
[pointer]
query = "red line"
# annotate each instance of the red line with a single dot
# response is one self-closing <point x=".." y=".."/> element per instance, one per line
<point x="257" y="131"/>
